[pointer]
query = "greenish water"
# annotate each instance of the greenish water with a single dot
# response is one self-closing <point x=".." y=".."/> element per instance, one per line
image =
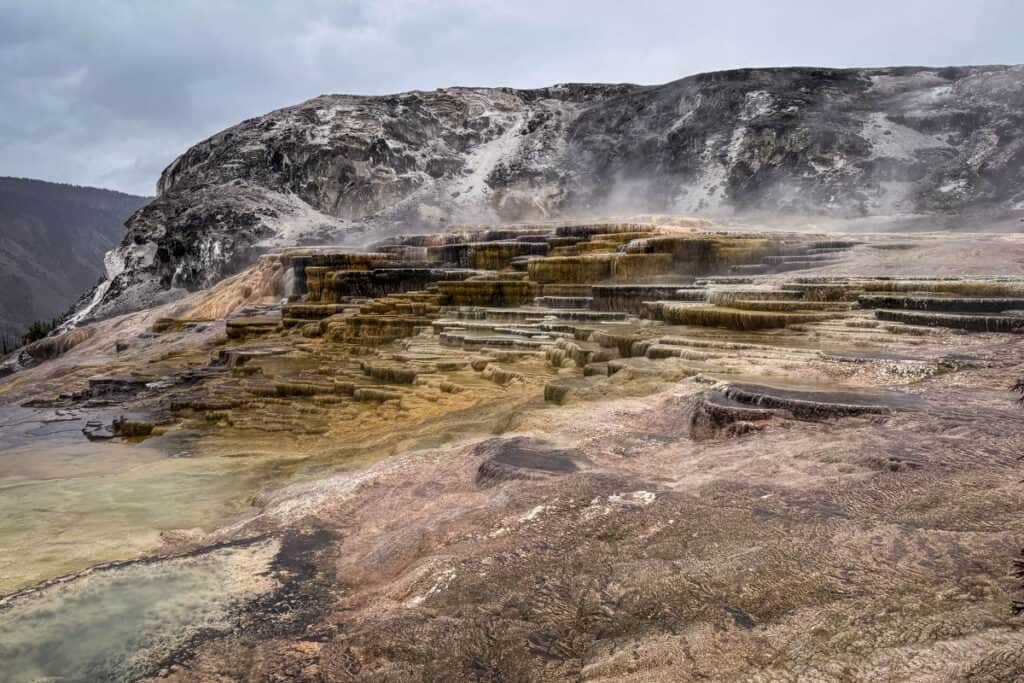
<point x="114" y="624"/>
<point x="67" y="503"/>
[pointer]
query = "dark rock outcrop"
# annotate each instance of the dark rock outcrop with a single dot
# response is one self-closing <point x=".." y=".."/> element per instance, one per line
<point x="353" y="169"/>
<point x="521" y="458"/>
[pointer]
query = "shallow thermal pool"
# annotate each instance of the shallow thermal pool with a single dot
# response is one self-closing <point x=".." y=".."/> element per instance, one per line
<point x="116" y="623"/>
<point x="67" y="503"/>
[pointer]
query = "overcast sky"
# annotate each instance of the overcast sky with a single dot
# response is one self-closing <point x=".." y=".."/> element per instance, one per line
<point x="108" y="92"/>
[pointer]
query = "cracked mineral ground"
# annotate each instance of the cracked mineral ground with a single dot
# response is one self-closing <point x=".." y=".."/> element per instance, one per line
<point x="655" y="448"/>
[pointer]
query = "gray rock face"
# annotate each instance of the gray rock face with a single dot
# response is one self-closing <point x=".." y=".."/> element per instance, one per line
<point x="353" y="169"/>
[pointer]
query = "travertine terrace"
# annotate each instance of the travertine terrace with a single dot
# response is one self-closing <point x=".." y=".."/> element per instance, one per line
<point x="646" y="449"/>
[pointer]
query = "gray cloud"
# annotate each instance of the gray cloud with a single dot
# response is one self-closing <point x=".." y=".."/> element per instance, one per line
<point x="108" y="92"/>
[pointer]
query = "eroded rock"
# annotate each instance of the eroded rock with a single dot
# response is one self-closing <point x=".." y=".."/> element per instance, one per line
<point x="521" y="458"/>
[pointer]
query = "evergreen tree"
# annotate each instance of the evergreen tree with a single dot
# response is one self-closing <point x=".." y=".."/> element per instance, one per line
<point x="38" y="330"/>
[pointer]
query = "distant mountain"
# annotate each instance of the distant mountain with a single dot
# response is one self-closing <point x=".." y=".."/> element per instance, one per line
<point x="791" y="141"/>
<point x="52" y="241"/>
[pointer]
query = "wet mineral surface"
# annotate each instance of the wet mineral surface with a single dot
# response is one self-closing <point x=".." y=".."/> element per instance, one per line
<point x="582" y="451"/>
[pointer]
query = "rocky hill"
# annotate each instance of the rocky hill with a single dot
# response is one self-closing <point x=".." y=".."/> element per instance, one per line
<point x="342" y="168"/>
<point x="54" y="237"/>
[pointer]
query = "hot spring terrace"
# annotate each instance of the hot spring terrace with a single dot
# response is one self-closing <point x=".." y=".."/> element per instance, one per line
<point x="418" y="320"/>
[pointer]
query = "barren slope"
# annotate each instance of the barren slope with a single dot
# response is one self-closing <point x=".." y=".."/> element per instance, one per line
<point x="342" y="168"/>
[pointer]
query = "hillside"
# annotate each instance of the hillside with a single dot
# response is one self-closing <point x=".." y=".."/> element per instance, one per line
<point x="54" y="239"/>
<point x="791" y="141"/>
